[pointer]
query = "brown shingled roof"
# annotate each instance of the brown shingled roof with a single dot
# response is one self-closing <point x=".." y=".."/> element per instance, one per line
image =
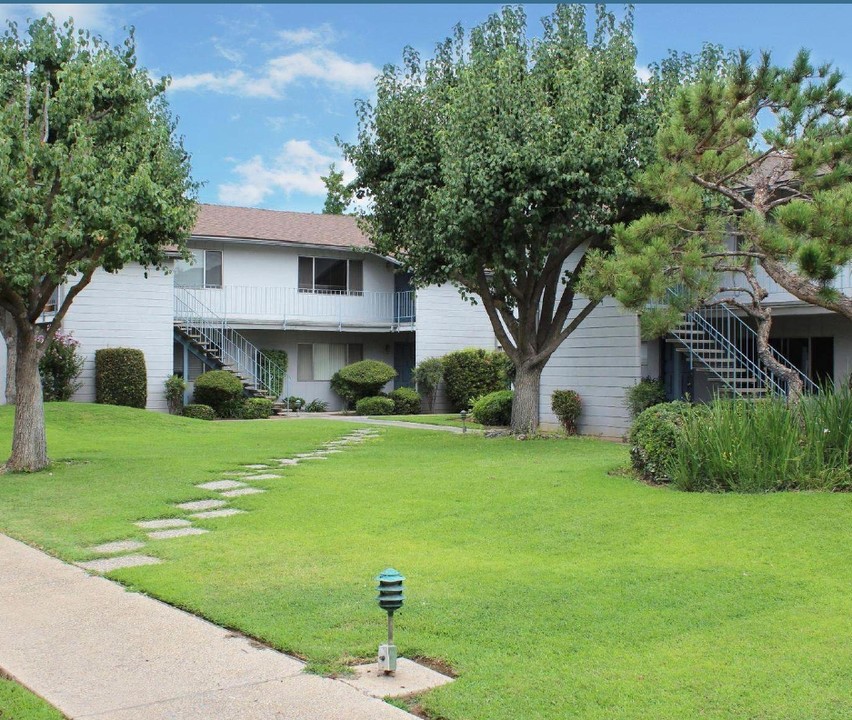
<point x="223" y="221"/>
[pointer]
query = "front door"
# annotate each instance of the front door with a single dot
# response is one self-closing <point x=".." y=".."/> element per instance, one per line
<point x="403" y="363"/>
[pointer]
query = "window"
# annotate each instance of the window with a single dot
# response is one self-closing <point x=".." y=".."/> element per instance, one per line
<point x="317" y="362"/>
<point x="331" y="275"/>
<point x="204" y="270"/>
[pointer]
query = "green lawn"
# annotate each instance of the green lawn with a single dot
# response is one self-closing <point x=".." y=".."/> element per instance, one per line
<point x="436" y="419"/>
<point x="555" y="586"/>
<point x="18" y="703"/>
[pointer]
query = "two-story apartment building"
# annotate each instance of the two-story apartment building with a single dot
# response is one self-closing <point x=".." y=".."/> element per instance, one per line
<point x="309" y="285"/>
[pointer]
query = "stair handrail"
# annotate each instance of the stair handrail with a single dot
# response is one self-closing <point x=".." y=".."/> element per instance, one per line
<point x="234" y="348"/>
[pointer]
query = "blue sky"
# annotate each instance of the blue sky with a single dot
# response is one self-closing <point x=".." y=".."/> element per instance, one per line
<point x="261" y="91"/>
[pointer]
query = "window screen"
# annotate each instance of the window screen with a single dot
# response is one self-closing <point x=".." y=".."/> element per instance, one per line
<point x="213" y="269"/>
<point x="329" y="274"/>
<point x="356" y="276"/>
<point x="305" y="363"/>
<point x="306" y="273"/>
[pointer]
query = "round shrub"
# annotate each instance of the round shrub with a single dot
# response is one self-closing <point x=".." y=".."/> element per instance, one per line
<point x="199" y="412"/>
<point x="644" y="394"/>
<point x="474" y="372"/>
<point x="405" y="401"/>
<point x="59" y="367"/>
<point x="654" y="438"/>
<point x="494" y="408"/>
<point x="175" y="388"/>
<point x="121" y="377"/>
<point x="221" y="390"/>
<point x="256" y="409"/>
<point x="362" y="379"/>
<point x="567" y="406"/>
<point x="374" y="406"/>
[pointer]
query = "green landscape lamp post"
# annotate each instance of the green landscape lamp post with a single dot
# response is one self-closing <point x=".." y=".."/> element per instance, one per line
<point x="463" y="415"/>
<point x="298" y="405"/>
<point x="390" y="599"/>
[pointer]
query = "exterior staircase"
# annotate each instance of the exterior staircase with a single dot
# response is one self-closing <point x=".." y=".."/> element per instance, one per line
<point x="720" y="343"/>
<point x="225" y="348"/>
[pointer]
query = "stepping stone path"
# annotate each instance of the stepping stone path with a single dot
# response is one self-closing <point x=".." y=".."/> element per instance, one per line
<point x="210" y="509"/>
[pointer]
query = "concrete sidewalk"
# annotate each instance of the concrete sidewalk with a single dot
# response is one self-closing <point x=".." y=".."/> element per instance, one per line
<point x="372" y="421"/>
<point x="95" y="650"/>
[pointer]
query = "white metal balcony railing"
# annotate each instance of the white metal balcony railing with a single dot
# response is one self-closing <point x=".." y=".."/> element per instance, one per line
<point x="291" y="306"/>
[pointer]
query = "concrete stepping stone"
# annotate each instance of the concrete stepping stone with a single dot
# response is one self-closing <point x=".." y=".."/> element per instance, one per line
<point x="225" y="512"/>
<point x="315" y="457"/>
<point x="262" y="476"/>
<point x="118" y="546"/>
<point x="201" y="505"/>
<point x="288" y="461"/>
<point x="105" y="565"/>
<point x="243" y="491"/>
<point x="257" y="466"/>
<point x="163" y="524"/>
<point x="410" y="678"/>
<point x="221" y="485"/>
<point x="177" y="532"/>
<point x="235" y="473"/>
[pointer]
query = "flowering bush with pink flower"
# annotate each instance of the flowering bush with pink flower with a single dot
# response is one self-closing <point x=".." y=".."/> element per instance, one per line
<point x="60" y="366"/>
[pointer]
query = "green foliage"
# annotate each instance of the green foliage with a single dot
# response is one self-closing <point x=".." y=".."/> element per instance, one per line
<point x="374" y="406"/>
<point x="121" y="377"/>
<point x="406" y="401"/>
<point x="766" y="445"/>
<point x="316" y="405"/>
<point x="175" y="389"/>
<point x="338" y="193"/>
<point x="427" y="377"/>
<point x="279" y="357"/>
<point x="644" y="394"/>
<point x="221" y="390"/>
<point x="654" y="437"/>
<point x="199" y="411"/>
<point x="60" y="366"/>
<point x="471" y="373"/>
<point x="494" y="408"/>
<point x="361" y="379"/>
<point x="567" y="406"/>
<point x="293" y="400"/>
<point x="255" y="409"/>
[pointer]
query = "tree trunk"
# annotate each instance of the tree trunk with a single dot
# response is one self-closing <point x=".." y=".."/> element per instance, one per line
<point x="806" y="290"/>
<point x="29" y="443"/>
<point x="795" y="387"/>
<point x="525" y="406"/>
<point x="10" y="335"/>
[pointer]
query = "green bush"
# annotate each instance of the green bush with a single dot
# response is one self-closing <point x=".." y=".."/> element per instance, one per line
<point x="316" y="405"/>
<point x="293" y="399"/>
<point x="494" y="408"/>
<point x="121" y="377"/>
<point x="405" y="401"/>
<point x="255" y="409"/>
<point x="361" y="379"/>
<point x="374" y="406"/>
<point x="175" y="388"/>
<point x="199" y="412"/>
<point x="279" y="357"/>
<point x="60" y="366"/>
<point x="644" y="394"/>
<point x="567" y="406"/>
<point x="472" y="373"/>
<point x="654" y="437"/>
<point x="427" y="377"/>
<point x="221" y="390"/>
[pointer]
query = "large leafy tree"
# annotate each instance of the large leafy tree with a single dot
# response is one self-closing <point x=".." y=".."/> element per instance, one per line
<point x="753" y="172"/>
<point x="499" y="162"/>
<point x="338" y="195"/>
<point x="92" y="176"/>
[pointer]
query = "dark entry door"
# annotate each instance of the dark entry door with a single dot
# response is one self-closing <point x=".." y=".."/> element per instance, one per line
<point x="403" y="363"/>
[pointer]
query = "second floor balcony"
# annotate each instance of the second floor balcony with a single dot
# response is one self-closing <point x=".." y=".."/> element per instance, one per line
<point x="283" y="307"/>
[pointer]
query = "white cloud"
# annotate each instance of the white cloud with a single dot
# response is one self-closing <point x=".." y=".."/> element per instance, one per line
<point x="643" y="73"/>
<point x="296" y="169"/>
<point x="322" y="35"/>
<point x="97" y="18"/>
<point x="318" y="65"/>
<point x="230" y="54"/>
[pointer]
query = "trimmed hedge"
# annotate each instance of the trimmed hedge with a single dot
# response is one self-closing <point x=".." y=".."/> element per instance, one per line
<point x="221" y="390"/>
<point x="654" y="438"/>
<point x="199" y="412"/>
<point x="472" y="373"/>
<point x="362" y="379"/>
<point x="405" y="401"/>
<point x="256" y="409"/>
<point x="374" y="406"/>
<point x="494" y="408"/>
<point x="567" y="406"/>
<point x="121" y="377"/>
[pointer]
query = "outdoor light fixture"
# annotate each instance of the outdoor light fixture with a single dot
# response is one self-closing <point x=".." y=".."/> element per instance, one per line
<point x="390" y="599"/>
<point x="463" y="415"/>
<point x="298" y="405"/>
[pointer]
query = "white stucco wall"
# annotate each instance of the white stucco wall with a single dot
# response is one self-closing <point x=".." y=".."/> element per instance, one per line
<point x="125" y="309"/>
